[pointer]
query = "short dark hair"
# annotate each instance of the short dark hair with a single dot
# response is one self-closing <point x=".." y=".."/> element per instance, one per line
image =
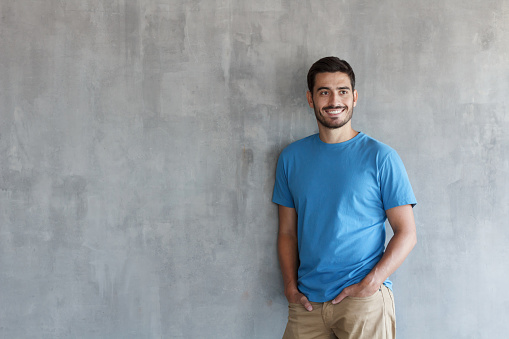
<point x="330" y="65"/>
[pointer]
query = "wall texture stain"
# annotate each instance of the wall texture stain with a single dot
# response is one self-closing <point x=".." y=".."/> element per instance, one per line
<point x="138" y="145"/>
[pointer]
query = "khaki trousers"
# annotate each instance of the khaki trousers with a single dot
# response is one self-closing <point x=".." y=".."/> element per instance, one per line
<point x="353" y="318"/>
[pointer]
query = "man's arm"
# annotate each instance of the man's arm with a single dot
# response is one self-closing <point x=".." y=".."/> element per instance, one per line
<point x="289" y="255"/>
<point x="402" y="222"/>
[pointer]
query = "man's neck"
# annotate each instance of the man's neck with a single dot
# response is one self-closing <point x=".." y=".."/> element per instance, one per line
<point x="337" y="135"/>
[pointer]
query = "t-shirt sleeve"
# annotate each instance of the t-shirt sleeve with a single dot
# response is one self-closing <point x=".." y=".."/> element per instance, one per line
<point x="394" y="183"/>
<point x="282" y="194"/>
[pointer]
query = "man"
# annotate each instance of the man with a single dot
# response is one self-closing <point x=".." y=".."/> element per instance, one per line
<point x="335" y="189"/>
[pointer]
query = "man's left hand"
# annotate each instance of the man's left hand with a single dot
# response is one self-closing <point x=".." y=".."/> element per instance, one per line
<point x="356" y="290"/>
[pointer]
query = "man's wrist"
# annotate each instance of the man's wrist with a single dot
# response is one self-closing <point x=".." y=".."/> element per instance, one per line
<point x="291" y="291"/>
<point x="370" y="282"/>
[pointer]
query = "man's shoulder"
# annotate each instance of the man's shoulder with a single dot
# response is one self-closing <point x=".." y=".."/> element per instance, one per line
<point x="376" y="146"/>
<point x="299" y="145"/>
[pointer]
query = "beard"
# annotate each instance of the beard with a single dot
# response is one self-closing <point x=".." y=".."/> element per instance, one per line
<point x="335" y="123"/>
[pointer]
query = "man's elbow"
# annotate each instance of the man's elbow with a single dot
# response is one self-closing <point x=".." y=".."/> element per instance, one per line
<point x="413" y="239"/>
<point x="408" y="237"/>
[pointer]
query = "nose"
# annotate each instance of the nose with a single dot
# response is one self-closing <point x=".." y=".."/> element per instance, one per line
<point x="334" y="99"/>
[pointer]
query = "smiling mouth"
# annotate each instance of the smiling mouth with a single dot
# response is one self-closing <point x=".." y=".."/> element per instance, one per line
<point x="335" y="110"/>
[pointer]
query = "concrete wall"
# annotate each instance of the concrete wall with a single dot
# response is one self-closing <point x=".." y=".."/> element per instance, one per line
<point x="138" y="142"/>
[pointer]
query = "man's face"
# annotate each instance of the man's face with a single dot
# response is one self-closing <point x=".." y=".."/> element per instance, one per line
<point x="332" y="99"/>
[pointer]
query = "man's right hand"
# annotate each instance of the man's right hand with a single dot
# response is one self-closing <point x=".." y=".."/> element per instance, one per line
<point x="299" y="298"/>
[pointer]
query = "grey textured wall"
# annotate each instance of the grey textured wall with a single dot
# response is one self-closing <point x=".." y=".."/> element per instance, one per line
<point x="138" y="142"/>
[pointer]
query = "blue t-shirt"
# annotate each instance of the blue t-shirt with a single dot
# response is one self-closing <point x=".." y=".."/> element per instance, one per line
<point x="340" y="193"/>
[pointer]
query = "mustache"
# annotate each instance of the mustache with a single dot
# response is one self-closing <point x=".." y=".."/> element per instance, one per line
<point x="335" y="107"/>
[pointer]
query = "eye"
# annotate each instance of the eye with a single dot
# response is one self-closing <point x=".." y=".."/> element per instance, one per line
<point x="343" y="92"/>
<point x="324" y="92"/>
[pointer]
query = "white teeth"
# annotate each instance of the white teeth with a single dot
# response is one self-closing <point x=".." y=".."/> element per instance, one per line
<point x="335" y="112"/>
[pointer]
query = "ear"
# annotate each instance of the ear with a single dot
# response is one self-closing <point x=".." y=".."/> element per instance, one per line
<point x="309" y="96"/>
<point x="355" y="97"/>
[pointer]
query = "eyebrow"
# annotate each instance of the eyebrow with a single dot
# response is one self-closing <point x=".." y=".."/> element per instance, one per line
<point x="343" y="87"/>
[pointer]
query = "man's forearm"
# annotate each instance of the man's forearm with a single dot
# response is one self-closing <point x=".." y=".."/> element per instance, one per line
<point x="288" y="260"/>
<point x="396" y="252"/>
<point x="403" y="241"/>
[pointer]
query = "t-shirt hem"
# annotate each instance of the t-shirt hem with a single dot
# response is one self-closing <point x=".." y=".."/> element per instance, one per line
<point x="410" y="202"/>
<point x="283" y="203"/>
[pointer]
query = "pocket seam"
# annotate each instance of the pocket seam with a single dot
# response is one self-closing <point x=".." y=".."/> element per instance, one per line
<point x="366" y="298"/>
